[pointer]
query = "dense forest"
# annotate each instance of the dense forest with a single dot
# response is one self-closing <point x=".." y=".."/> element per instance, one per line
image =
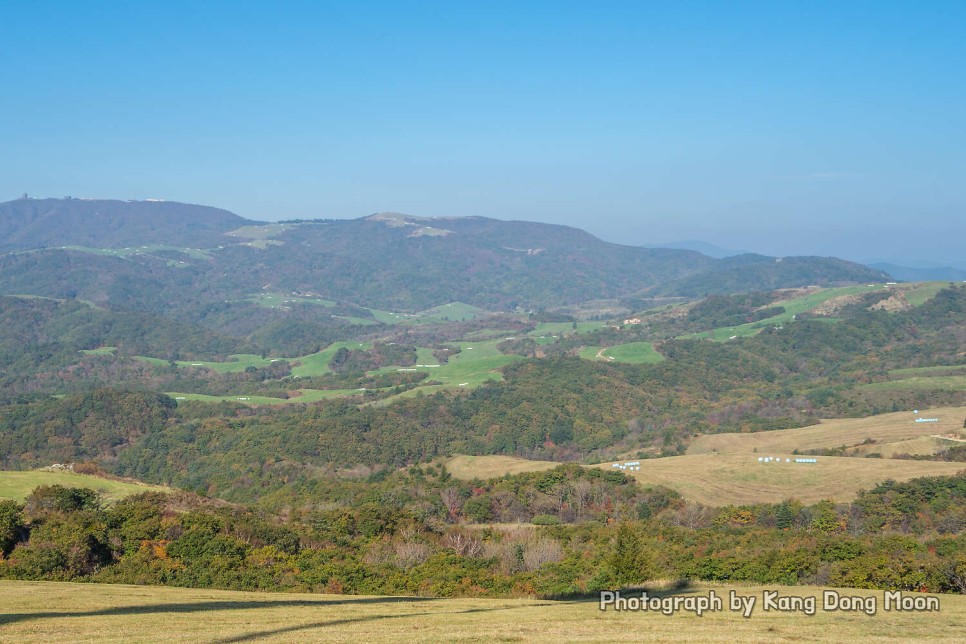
<point x="412" y="533"/>
<point x="559" y="408"/>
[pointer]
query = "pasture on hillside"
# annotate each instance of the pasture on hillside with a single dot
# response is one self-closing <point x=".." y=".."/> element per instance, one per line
<point x="55" y="611"/>
<point x="193" y="253"/>
<point x="236" y="363"/>
<point x="737" y="479"/>
<point x="632" y="353"/>
<point x="317" y="364"/>
<point x="493" y="466"/>
<point x="276" y="300"/>
<point x="295" y="397"/>
<point x="17" y="485"/>
<point x="452" y="312"/>
<point x="956" y="383"/>
<point x="793" y="307"/>
<point x="873" y="431"/>
<point x="718" y="480"/>
<point x="475" y="364"/>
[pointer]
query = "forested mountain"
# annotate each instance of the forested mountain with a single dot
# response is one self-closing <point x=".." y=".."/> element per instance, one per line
<point x="103" y="223"/>
<point x="164" y="256"/>
<point x="751" y="272"/>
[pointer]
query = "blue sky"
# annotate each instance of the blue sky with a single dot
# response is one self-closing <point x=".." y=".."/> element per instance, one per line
<point x="786" y="128"/>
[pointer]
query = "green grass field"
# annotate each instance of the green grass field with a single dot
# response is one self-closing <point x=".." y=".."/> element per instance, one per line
<point x="18" y="485"/>
<point x="549" y="332"/>
<point x="192" y="253"/>
<point x="273" y="300"/>
<point x="57" y="611"/>
<point x="922" y="292"/>
<point x="630" y="353"/>
<point x="920" y="383"/>
<point x="390" y="317"/>
<point x="236" y="363"/>
<point x="942" y="370"/>
<point x="452" y="312"/>
<point x="352" y="319"/>
<point x="424" y="355"/>
<point x="633" y="353"/>
<point x="260" y="236"/>
<point x="475" y="364"/>
<point x="100" y="351"/>
<point x="317" y="364"/>
<point x="304" y="396"/>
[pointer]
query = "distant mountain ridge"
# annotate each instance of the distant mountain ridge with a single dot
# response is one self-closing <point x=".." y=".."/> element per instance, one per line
<point x="107" y="223"/>
<point x="705" y="248"/>
<point x="387" y="260"/>
<point x="915" y="274"/>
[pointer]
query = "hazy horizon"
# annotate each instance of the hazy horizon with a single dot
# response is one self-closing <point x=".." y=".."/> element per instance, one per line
<point x="826" y="129"/>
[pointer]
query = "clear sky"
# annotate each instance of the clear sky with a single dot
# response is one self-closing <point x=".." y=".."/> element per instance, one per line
<point x="785" y="128"/>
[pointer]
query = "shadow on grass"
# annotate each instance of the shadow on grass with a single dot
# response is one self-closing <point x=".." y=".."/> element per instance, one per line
<point x="205" y="606"/>
<point x="196" y="607"/>
<point x="257" y="635"/>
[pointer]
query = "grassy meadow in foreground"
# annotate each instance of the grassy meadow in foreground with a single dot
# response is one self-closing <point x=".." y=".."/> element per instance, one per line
<point x="47" y="611"/>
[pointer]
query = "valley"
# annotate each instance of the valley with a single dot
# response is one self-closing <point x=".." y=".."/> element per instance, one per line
<point x="446" y="408"/>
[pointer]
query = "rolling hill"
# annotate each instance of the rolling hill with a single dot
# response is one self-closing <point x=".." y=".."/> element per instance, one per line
<point x="104" y="223"/>
<point x="736" y="479"/>
<point x="874" y="432"/>
<point x="164" y="255"/>
<point x="722" y="479"/>
<point x="752" y="272"/>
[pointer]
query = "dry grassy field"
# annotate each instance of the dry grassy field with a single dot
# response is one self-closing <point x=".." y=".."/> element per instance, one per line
<point x="491" y="467"/>
<point x="829" y="434"/>
<point x="62" y="612"/>
<point x="735" y="479"/>
<point x="723" y="469"/>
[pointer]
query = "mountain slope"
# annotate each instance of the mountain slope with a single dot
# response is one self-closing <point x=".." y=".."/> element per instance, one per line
<point x="102" y="223"/>
<point x="386" y="261"/>
<point x="761" y="273"/>
<point x="914" y="274"/>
